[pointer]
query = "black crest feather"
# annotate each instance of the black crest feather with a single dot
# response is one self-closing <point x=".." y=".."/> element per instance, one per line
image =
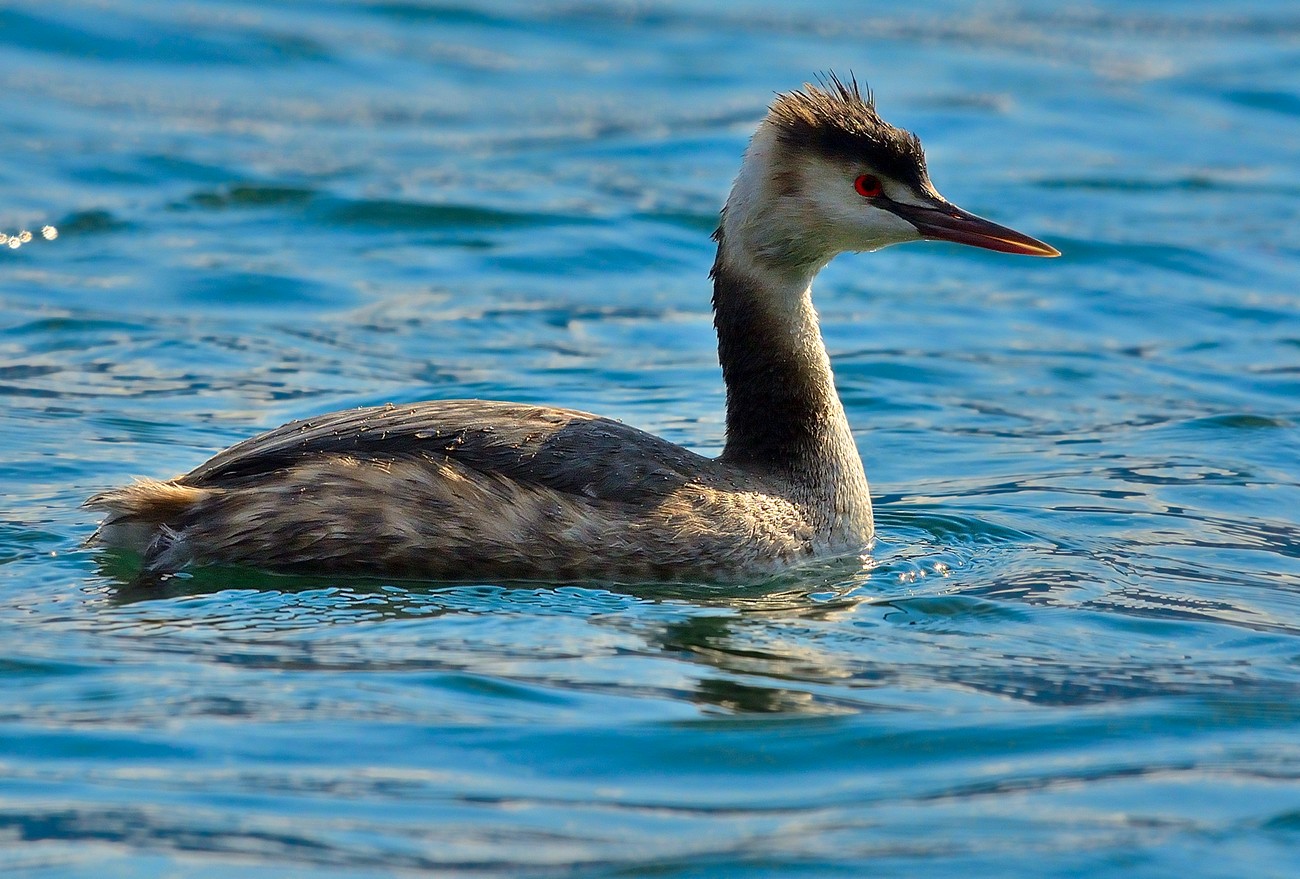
<point x="836" y="119"/>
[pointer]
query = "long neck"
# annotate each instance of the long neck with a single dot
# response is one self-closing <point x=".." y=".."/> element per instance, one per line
<point x="784" y="417"/>
<point x="781" y="399"/>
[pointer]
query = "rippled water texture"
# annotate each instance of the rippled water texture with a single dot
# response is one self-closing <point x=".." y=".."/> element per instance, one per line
<point x="1076" y="650"/>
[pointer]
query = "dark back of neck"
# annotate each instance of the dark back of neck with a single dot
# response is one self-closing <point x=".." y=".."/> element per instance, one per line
<point x="783" y="414"/>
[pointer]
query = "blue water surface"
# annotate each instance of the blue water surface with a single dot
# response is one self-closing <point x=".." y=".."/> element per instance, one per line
<point x="1076" y="649"/>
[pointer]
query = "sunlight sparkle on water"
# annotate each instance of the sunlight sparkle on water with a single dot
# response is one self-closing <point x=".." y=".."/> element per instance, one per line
<point x="24" y="236"/>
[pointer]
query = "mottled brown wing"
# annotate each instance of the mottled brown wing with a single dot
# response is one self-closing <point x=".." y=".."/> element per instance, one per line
<point x="563" y="449"/>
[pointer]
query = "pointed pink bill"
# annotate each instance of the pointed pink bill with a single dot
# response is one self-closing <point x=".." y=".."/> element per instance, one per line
<point x="942" y="221"/>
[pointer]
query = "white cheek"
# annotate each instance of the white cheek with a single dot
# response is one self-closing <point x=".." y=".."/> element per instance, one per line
<point x="883" y="228"/>
<point x="853" y="223"/>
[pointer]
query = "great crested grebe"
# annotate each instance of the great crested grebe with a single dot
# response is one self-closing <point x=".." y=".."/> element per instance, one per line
<point x="470" y="489"/>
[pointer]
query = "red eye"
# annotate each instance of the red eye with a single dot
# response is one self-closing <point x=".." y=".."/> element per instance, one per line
<point x="868" y="186"/>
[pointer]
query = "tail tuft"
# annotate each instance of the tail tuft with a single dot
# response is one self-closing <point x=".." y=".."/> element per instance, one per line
<point x="139" y="512"/>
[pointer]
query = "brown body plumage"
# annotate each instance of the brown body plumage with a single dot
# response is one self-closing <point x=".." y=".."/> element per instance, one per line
<point x="487" y="490"/>
<point x="469" y="488"/>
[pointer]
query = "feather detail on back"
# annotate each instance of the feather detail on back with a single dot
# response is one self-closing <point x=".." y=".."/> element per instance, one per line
<point x="562" y="449"/>
<point x="462" y="489"/>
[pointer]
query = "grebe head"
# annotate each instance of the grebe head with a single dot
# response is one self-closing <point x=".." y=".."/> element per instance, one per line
<point x="824" y="174"/>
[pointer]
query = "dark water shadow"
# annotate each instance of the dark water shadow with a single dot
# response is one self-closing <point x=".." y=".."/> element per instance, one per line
<point x="129" y="583"/>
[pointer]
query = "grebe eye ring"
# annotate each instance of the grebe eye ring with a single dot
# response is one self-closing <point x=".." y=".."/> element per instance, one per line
<point x="868" y="186"/>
